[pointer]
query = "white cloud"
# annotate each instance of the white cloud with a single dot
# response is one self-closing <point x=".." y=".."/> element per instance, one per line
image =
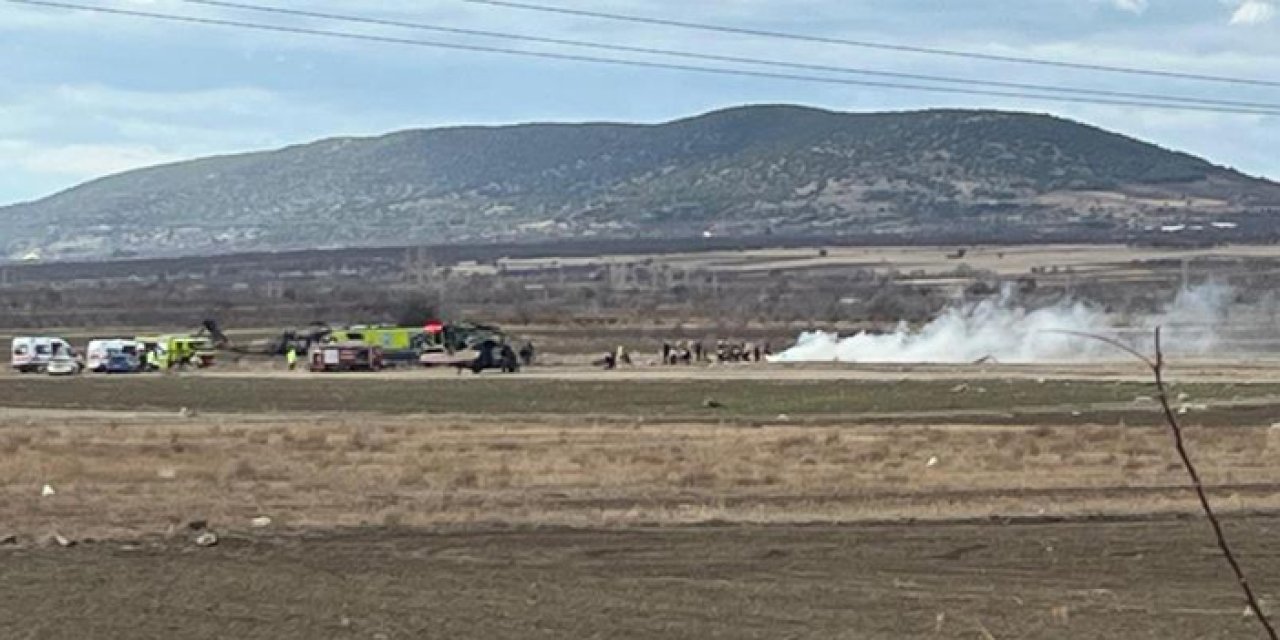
<point x="90" y="160"/>
<point x="228" y="100"/>
<point x="1132" y="6"/>
<point x="77" y="161"/>
<point x="1253" y="12"/>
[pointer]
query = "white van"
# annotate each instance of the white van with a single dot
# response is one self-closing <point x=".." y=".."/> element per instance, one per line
<point x="101" y="350"/>
<point x="32" y="354"/>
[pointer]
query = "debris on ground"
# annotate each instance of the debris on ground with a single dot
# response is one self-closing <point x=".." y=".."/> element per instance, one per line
<point x="261" y="521"/>
<point x="712" y="403"/>
<point x="933" y="461"/>
<point x="9" y="540"/>
<point x="960" y="388"/>
<point x="47" y="491"/>
<point x="206" y="539"/>
<point x="61" y="540"/>
<point x="187" y="413"/>
<point x="198" y="525"/>
<point x="166" y="473"/>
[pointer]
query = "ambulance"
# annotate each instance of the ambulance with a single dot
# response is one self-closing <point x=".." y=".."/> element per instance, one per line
<point x="32" y="354"/>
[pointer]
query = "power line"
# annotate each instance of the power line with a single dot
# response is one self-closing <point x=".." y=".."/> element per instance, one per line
<point x="973" y="55"/>
<point x="637" y="63"/>
<point x="731" y="59"/>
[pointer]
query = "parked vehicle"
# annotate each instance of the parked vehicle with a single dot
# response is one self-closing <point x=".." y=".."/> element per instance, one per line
<point x="178" y="351"/>
<point x="32" y="354"/>
<point x="345" y="356"/>
<point x="121" y="363"/>
<point x="63" y="364"/>
<point x="398" y="344"/>
<point x="100" y="351"/>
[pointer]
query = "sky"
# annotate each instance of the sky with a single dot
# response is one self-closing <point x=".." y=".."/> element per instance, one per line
<point x="83" y="95"/>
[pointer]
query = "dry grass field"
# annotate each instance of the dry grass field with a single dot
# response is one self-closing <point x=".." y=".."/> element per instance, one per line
<point x="625" y="508"/>
<point x="126" y="475"/>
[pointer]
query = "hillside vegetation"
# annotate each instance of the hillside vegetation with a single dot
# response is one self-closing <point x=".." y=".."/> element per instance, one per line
<point x="747" y="171"/>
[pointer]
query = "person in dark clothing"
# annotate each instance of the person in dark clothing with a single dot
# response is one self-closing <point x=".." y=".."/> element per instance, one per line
<point x="510" y="363"/>
<point x="526" y="354"/>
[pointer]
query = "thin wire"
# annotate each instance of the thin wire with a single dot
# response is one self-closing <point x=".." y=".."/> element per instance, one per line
<point x="724" y="58"/>
<point x="877" y="45"/>
<point x="640" y="63"/>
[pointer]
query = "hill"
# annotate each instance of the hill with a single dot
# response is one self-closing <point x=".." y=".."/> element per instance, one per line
<point x="747" y="171"/>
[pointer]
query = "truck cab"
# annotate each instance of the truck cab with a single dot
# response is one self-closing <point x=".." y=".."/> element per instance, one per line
<point x="178" y="350"/>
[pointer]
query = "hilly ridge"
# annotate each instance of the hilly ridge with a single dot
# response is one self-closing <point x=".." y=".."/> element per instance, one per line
<point x="747" y="170"/>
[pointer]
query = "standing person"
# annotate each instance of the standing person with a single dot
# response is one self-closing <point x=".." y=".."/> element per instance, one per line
<point x="697" y="351"/>
<point x="666" y="352"/>
<point x="291" y="357"/>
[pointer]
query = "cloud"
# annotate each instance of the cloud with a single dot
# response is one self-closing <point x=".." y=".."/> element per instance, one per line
<point x="228" y="100"/>
<point x="90" y="160"/>
<point x="1132" y="6"/>
<point x="1252" y="12"/>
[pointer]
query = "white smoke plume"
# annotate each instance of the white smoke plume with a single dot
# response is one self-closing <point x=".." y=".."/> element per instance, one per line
<point x="997" y="329"/>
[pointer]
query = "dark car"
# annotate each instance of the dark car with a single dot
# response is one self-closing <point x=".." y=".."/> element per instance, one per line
<point x="120" y="363"/>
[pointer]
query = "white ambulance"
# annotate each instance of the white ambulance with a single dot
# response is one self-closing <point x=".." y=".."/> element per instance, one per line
<point x="33" y="354"/>
<point x="99" y="352"/>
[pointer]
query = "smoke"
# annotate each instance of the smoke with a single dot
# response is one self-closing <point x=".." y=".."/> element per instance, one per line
<point x="999" y="329"/>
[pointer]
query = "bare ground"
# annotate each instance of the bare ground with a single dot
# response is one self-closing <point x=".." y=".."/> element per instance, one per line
<point x="1158" y="579"/>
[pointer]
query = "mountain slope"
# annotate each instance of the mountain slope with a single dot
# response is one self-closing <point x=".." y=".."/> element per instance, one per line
<point x="757" y="169"/>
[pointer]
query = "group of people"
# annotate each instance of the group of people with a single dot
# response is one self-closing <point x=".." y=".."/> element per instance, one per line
<point x="691" y="351"/>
